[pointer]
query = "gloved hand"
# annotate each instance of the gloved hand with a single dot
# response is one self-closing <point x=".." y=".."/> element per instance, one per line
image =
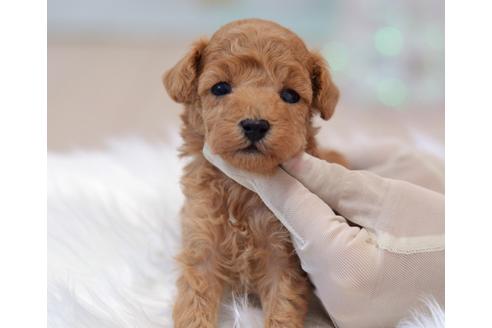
<point x="367" y="276"/>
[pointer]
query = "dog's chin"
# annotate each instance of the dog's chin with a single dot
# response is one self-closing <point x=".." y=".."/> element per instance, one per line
<point x="252" y="159"/>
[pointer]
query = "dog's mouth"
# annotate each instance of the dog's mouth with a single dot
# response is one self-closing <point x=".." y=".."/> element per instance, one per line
<point x="251" y="149"/>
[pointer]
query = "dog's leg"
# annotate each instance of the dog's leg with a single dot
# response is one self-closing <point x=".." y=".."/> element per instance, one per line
<point x="285" y="301"/>
<point x="198" y="300"/>
<point x="199" y="296"/>
<point x="283" y="287"/>
<point x="199" y="288"/>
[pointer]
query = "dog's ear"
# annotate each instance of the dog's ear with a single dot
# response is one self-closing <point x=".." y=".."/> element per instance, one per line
<point x="325" y="92"/>
<point x="181" y="81"/>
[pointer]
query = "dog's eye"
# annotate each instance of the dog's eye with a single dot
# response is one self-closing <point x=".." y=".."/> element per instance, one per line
<point x="221" y="89"/>
<point x="289" y="96"/>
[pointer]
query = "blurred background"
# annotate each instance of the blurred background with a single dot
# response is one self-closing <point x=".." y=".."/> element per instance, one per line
<point x="106" y="58"/>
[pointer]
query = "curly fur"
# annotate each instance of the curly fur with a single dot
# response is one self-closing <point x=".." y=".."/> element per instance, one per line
<point x="230" y="239"/>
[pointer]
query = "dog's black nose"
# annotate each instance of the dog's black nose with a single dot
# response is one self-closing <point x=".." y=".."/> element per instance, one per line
<point x="254" y="130"/>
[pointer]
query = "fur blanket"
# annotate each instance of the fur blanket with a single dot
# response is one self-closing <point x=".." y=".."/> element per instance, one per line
<point x="113" y="229"/>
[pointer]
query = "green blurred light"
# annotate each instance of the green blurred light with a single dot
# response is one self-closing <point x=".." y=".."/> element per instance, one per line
<point x="434" y="37"/>
<point x="336" y="55"/>
<point x="388" y="41"/>
<point x="392" y="92"/>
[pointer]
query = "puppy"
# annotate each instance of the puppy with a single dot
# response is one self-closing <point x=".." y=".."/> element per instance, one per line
<point x="250" y="93"/>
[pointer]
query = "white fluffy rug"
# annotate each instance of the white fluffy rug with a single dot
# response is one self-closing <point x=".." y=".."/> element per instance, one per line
<point x="113" y="229"/>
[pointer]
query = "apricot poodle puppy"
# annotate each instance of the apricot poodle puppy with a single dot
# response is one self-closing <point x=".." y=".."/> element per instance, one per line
<point x="250" y="93"/>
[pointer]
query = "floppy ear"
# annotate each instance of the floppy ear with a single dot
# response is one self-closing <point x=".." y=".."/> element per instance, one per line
<point x="325" y="92"/>
<point x="181" y="81"/>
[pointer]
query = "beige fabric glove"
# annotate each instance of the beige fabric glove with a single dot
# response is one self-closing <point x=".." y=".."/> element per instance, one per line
<point x="365" y="277"/>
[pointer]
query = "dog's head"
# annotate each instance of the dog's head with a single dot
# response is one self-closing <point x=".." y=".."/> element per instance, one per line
<point x="255" y="87"/>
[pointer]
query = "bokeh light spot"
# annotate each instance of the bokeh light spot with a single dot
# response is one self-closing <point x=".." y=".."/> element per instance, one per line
<point x="388" y="41"/>
<point x="336" y="55"/>
<point x="434" y="37"/>
<point x="392" y="92"/>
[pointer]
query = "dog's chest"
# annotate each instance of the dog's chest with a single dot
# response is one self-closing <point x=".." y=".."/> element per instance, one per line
<point x="249" y="222"/>
<point x="253" y="240"/>
<point x="246" y="238"/>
